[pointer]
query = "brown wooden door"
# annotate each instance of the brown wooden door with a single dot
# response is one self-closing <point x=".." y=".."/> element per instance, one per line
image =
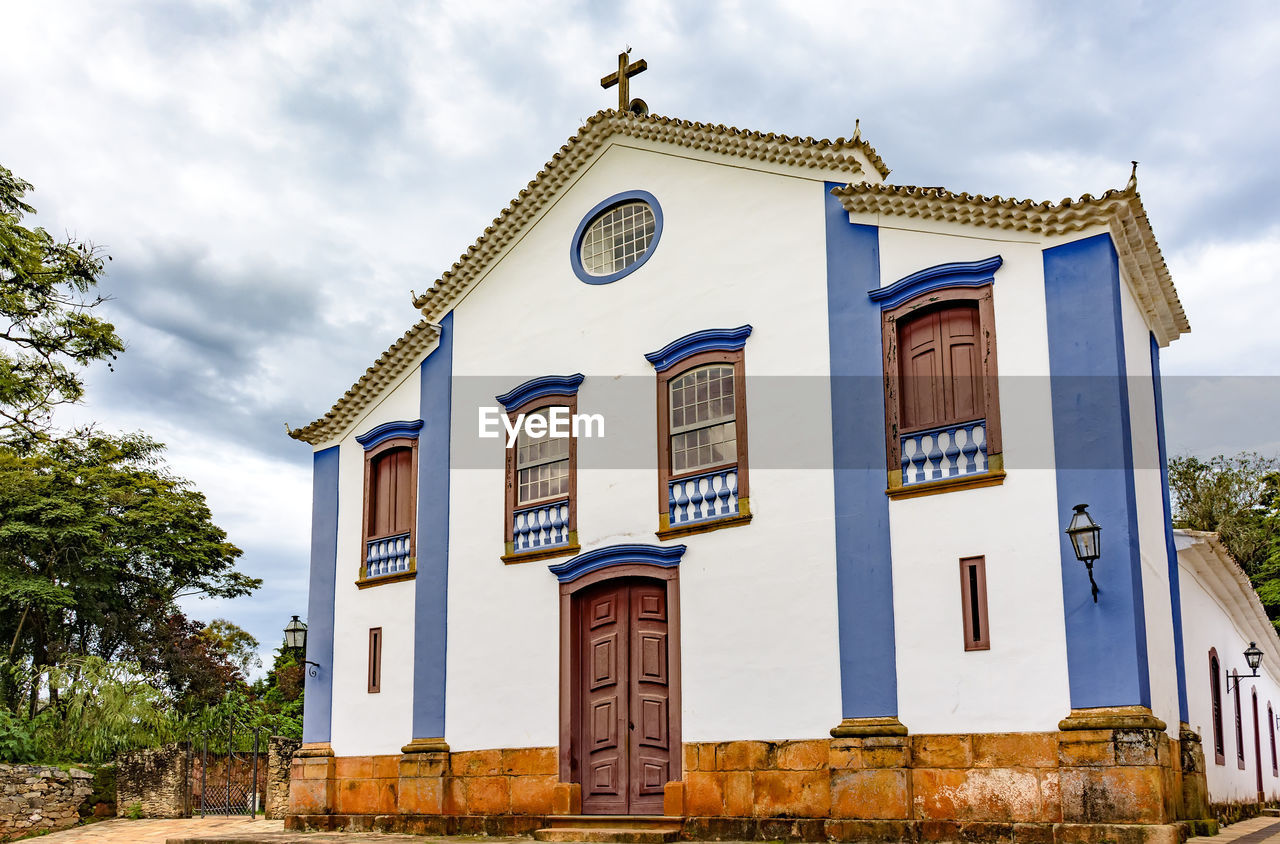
<point x="622" y="739"/>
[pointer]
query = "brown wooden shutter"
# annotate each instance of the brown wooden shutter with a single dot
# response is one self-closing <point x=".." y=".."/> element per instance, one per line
<point x="391" y="510"/>
<point x="941" y="368"/>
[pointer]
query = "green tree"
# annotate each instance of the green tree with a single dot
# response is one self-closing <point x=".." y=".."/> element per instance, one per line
<point x="98" y="540"/>
<point x="237" y="643"/>
<point x="48" y="327"/>
<point x="1239" y="498"/>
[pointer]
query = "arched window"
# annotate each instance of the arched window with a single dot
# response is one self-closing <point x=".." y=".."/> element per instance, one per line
<point x="942" y="404"/>
<point x="1271" y="731"/>
<point x="1215" y="697"/>
<point x="1239" y="721"/>
<point x="390" y="510"/>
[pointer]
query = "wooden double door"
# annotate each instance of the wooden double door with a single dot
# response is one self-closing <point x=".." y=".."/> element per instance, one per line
<point x="622" y="742"/>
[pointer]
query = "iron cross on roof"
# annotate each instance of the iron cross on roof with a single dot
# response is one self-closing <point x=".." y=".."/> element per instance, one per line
<point x="622" y="78"/>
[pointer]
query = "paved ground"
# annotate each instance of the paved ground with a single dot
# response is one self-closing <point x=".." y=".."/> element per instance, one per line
<point x="1264" y="830"/>
<point x="1252" y="831"/>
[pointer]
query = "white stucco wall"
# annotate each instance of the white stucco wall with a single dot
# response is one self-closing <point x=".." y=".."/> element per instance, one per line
<point x="1214" y="618"/>
<point x="758" y="610"/>
<point x="1149" y="493"/>
<point x="364" y="723"/>
<point x="941" y="687"/>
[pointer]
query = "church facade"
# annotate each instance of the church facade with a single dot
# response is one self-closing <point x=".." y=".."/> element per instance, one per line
<point x="723" y="485"/>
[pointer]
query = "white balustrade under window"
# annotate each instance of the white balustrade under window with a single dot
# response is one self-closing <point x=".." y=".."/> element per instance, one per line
<point x="544" y="526"/>
<point x="388" y="555"/>
<point x="712" y="495"/>
<point x="952" y="451"/>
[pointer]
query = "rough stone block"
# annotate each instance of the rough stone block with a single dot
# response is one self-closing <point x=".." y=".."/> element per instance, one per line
<point x="802" y="794"/>
<point x="1015" y="750"/>
<point x="869" y="830"/>
<point x="743" y="756"/>
<point x="566" y="798"/>
<point x="488" y="795"/>
<point x="1112" y="795"/>
<point x="845" y="754"/>
<point x="999" y="795"/>
<point x="871" y="795"/>
<point x="706" y="756"/>
<point x="1141" y="747"/>
<point x="1033" y="833"/>
<point x="455" y="796"/>
<point x="421" y="796"/>
<point x="704" y="793"/>
<point x="530" y="761"/>
<point x="386" y="767"/>
<point x="673" y="798"/>
<point x="941" y="751"/>
<point x="532" y="795"/>
<point x="690" y="757"/>
<point x="1076" y="751"/>
<point x="802" y="755"/>
<point x="476" y="763"/>
<point x="353" y="767"/>
<point x="365" y="797"/>
<point x="738" y="793"/>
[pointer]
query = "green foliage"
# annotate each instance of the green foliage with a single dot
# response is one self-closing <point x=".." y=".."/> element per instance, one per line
<point x="17" y="739"/>
<point x="47" y="322"/>
<point x="236" y="642"/>
<point x="1239" y="498"/>
<point x="134" y="811"/>
<point x="97" y="542"/>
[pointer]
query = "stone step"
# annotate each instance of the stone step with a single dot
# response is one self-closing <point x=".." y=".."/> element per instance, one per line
<point x="614" y="821"/>
<point x="1275" y="813"/>
<point x="607" y="835"/>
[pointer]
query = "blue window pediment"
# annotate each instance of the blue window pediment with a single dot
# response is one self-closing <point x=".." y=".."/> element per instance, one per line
<point x="939" y="277"/>
<point x="666" y="556"/>
<point x="389" y="430"/>
<point x="707" y="340"/>
<point x="536" y="388"/>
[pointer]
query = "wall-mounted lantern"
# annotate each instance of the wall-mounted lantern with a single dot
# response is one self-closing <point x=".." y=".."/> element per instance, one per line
<point x="1252" y="656"/>
<point x="295" y="639"/>
<point x="1086" y="539"/>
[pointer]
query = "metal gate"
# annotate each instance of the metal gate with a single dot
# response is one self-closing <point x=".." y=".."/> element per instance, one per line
<point x="228" y="783"/>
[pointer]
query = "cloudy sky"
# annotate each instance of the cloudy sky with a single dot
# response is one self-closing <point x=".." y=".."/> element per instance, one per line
<point x="272" y="179"/>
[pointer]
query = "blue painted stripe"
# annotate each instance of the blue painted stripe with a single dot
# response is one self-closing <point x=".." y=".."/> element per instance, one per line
<point x="1175" y="591"/>
<point x="317" y="706"/>
<point x="957" y="274"/>
<point x="431" y="586"/>
<point x="1106" y="641"/>
<point x="864" y="571"/>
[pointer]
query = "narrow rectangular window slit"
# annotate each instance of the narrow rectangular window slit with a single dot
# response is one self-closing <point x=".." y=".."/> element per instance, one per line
<point x="375" y="660"/>
<point x="973" y="602"/>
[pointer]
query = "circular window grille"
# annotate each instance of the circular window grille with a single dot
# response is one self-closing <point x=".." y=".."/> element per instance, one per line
<point x="617" y="238"/>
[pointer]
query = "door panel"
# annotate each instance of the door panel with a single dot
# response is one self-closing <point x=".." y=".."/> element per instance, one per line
<point x="623" y="738"/>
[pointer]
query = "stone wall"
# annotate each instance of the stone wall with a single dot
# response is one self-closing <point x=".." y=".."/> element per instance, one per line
<point x="156" y="780"/>
<point x="36" y="798"/>
<point x="1080" y="785"/>
<point x="280" y="752"/>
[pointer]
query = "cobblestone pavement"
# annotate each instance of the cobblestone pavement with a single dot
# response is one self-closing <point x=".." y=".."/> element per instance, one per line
<point x="157" y="831"/>
<point x="1252" y="831"/>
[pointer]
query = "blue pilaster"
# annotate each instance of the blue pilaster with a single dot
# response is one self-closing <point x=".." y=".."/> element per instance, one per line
<point x="317" y="707"/>
<point x="1107" y="640"/>
<point x="431" y="584"/>
<point x="1171" y="550"/>
<point x="864" y="573"/>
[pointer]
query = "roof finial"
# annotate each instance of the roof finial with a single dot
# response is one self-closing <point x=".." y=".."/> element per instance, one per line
<point x="1133" y="176"/>
<point x="857" y="129"/>
<point x="622" y="78"/>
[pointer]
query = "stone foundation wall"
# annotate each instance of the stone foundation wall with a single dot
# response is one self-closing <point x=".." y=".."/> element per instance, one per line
<point x="156" y="780"/>
<point x="280" y="752"/>
<point x="1081" y="786"/>
<point x="36" y="798"/>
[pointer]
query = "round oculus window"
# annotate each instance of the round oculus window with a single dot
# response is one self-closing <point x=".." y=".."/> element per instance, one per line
<point x="617" y="238"/>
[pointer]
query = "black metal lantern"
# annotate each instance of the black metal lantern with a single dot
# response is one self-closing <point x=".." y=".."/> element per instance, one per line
<point x="295" y="639"/>
<point x="1253" y="656"/>
<point x="295" y="634"/>
<point x="1086" y="541"/>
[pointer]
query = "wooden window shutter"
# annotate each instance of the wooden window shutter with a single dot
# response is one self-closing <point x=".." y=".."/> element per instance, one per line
<point x="941" y="368"/>
<point x="391" y="510"/>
